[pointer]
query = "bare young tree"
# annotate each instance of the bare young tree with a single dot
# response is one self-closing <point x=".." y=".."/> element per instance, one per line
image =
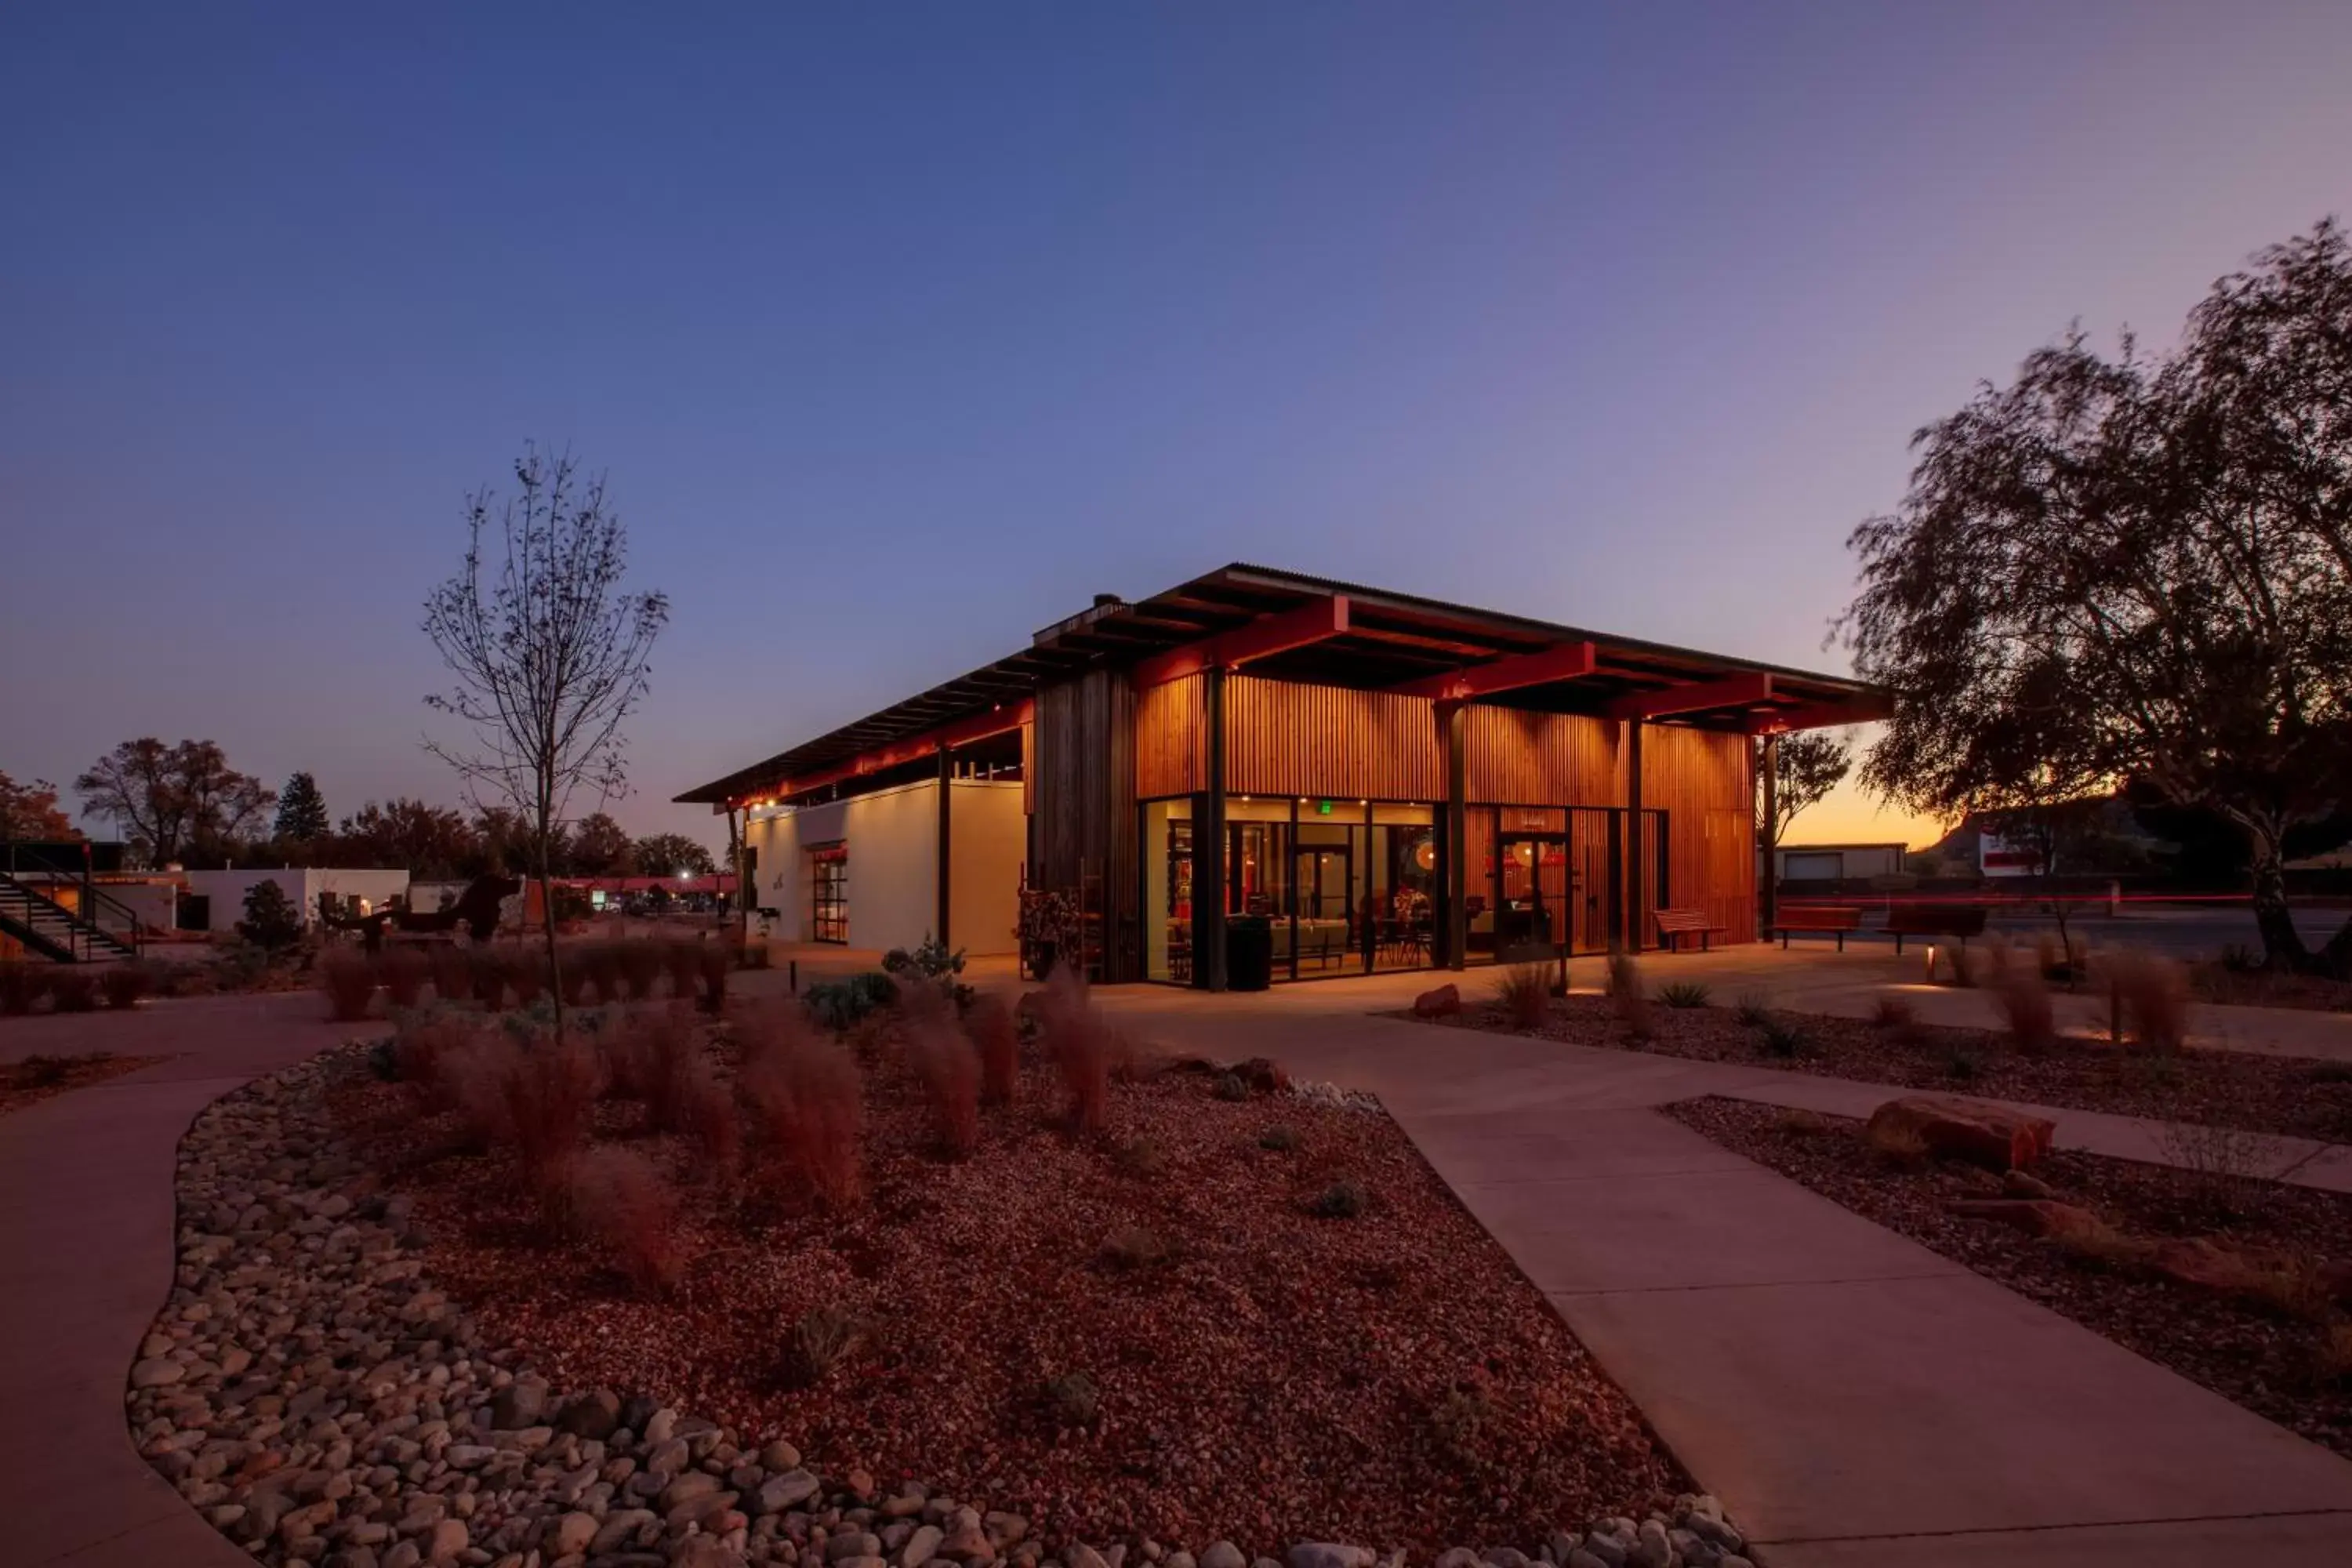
<point x="550" y="654"/>
<point x="1808" y="765"/>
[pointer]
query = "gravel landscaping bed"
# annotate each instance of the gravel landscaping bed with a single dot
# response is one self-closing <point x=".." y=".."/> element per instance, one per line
<point x="375" y="1371"/>
<point x="37" y="1078"/>
<point x="2260" y="988"/>
<point x="2227" y="1089"/>
<point x="2281" y="1345"/>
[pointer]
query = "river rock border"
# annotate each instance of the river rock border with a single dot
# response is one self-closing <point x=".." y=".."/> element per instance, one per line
<point x="310" y="1393"/>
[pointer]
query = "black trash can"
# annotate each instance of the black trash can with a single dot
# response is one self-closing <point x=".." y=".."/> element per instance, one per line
<point x="1249" y="952"/>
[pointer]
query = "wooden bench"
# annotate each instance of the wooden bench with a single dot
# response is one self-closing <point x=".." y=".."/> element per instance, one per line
<point x="1675" y="925"/>
<point x="1960" y="920"/>
<point x="1825" y="920"/>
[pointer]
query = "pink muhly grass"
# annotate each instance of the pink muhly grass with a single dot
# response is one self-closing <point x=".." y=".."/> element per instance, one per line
<point x="453" y="974"/>
<point x="996" y="1037"/>
<point x="526" y="972"/>
<point x="618" y="1199"/>
<point x="639" y="964"/>
<point x="403" y="971"/>
<point x="809" y="1103"/>
<point x="950" y="1069"/>
<point x="684" y="961"/>
<point x="1082" y="1048"/>
<point x="348" y="979"/>
<point x="715" y="959"/>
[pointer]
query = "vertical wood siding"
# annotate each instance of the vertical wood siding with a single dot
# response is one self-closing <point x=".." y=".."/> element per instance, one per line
<point x="1284" y="738"/>
<point x="1701" y="780"/>
<point x="1512" y="757"/>
<point x="1170" y="750"/>
<point x="1083" y="768"/>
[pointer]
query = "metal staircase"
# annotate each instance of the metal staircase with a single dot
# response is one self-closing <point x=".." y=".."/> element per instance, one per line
<point x="50" y="929"/>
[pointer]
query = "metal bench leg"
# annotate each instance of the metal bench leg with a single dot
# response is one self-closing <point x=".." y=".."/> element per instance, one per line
<point x="1841" y="942"/>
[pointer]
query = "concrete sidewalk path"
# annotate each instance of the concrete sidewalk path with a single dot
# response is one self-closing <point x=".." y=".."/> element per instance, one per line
<point x="87" y="1233"/>
<point x="1854" y="1397"/>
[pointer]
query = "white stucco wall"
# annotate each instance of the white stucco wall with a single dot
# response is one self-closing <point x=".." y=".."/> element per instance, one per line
<point x="892" y="839"/>
<point x="226" y="890"/>
<point x="988" y="838"/>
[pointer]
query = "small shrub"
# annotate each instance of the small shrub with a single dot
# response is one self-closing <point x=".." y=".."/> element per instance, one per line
<point x="822" y="1340"/>
<point x="1893" y="1013"/>
<point x="1343" y="1199"/>
<point x="2239" y="958"/>
<point x="1082" y="1048"/>
<point x="841" y="1004"/>
<point x="1962" y="1067"/>
<point x="994" y="1035"/>
<point x="621" y="1201"/>
<point x="1141" y="1157"/>
<point x="271" y="921"/>
<point x="124" y="985"/>
<point x="2150" y="994"/>
<point x="42" y="1071"/>
<point x="1750" y="1010"/>
<point x="1072" y="1399"/>
<point x="1524" y="991"/>
<point x="383" y="1061"/>
<point x="2023" y="998"/>
<point x="1455" y="1424"/>
<point x="402" y="971"/>
<point x="2332" y="1356"/>
<point x="809" y="1103"/>
<point x="639" y="964"/>
<point x="1684" y="994"/>
<point x="1132" y="1248"/>
<point x="453" y="973"/>
<point x="22" y="985"/>
<point x="716" y="960"/>
<point x="684" y="961"/>
<point x="1798" y="1122"/>
<point x="1786" y="1041"/>
<point x="348" y="981"/>
<point x="1229" y="1086"/>
<point x="1280" y="1140"/>
<point x="2234" y="1171"/>
<point x="526" y="972"/>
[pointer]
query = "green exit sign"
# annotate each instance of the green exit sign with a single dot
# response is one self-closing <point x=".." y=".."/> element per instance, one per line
<point x="1322" y="808"/>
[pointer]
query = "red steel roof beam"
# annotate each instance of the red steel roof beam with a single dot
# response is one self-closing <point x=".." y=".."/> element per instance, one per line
<point x="1318" y="620"/>
<point x="1693" y="697"/>
<point x="1569" y="661"/>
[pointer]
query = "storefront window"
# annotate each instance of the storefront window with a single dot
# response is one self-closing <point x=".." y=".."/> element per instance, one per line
<point x="1167" y="890"/>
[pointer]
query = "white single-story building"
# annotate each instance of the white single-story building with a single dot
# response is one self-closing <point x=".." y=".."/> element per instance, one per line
<point x="360" y="891"/>
<point x="1838" y="862"/>
<point x="864" y="871"/>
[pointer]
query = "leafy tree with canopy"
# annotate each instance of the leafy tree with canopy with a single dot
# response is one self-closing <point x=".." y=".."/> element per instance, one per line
<point x="2138" y="568"/>
<point x="672" y="855"/>
<point x="301" y="811"/>
<point x="549" y="655"/>
<point x="29" y="812"/>
<point x="599" y="848"/>
<point x="432" y="842"/>
<point x="174" y="801"/>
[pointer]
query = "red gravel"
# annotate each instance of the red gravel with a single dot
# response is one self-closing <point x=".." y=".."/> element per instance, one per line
<point x="2265" y="1359"/>
<point x="1389" y="1378"/>
<point x="36" y="1078"/>
<point x="2221" y="1088"/>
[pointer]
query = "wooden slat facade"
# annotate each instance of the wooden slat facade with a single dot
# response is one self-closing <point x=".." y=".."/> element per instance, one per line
<point x="1170" y="756"/>
<point x="1284" y="738"/>
<point x="1099" y="746"/>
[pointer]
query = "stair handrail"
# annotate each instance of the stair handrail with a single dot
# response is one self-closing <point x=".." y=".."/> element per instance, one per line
<point x="134" y="935"/>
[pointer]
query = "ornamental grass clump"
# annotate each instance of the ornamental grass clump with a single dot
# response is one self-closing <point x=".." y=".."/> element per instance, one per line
<point x="822" y="1340"/>
<point x="639" y="964"/>
<point x="684" y="961"/>
<point x="716" y="960"/>
<point x="403" y="971"/>
<point x="124" y="985"/>
<point x="598" y="966"/>
<point x="2149" y="996"/>
<point x="622" y="1203"/>
<point x="73" y="989"/>
<point x="1082" y="1047"/>
<point x="453" y="971"/>
<point x="950" y="1071"/>
<point x="705" y="1113"/>
<point x="648" y="1057"/>
<point x="488" y="972"/>
<point x="1627" y="995"/>
<point x="809" y="1104"/>
<point x="1684" y="994"/>
<point x="22" y="985"/>
<point x="549" y="1089"/>
<point x="2023" y="998"/>
<point x="347" y="979"/>
<point x="1524" y="993"/>
<point x="995" y="1035"/>
<point x="526" y="974"/>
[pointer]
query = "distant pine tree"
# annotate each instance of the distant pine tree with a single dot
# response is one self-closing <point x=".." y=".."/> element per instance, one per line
<point x="301" y="810"/>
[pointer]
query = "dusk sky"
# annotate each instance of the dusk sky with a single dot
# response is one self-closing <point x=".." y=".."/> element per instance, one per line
<point x="901" y="330"/>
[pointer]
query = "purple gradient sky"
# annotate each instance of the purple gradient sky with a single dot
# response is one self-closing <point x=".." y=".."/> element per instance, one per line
<point x="902" y="330"/>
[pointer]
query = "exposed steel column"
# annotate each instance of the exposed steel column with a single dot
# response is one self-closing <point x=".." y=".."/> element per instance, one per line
<point x="1767" y="891"/>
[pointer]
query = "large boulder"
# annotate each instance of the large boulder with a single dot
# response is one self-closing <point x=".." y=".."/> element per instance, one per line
<point x="1442" y="1003"/>
<point x="1986" y="1135"/>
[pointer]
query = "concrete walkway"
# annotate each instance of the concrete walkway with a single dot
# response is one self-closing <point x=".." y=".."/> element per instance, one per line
<point x="1854" y="1397"/>
<point x="87" y="1243"/>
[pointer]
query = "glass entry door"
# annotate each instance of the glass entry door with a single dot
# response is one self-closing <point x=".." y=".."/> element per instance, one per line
<point x="1534" y="909"/>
